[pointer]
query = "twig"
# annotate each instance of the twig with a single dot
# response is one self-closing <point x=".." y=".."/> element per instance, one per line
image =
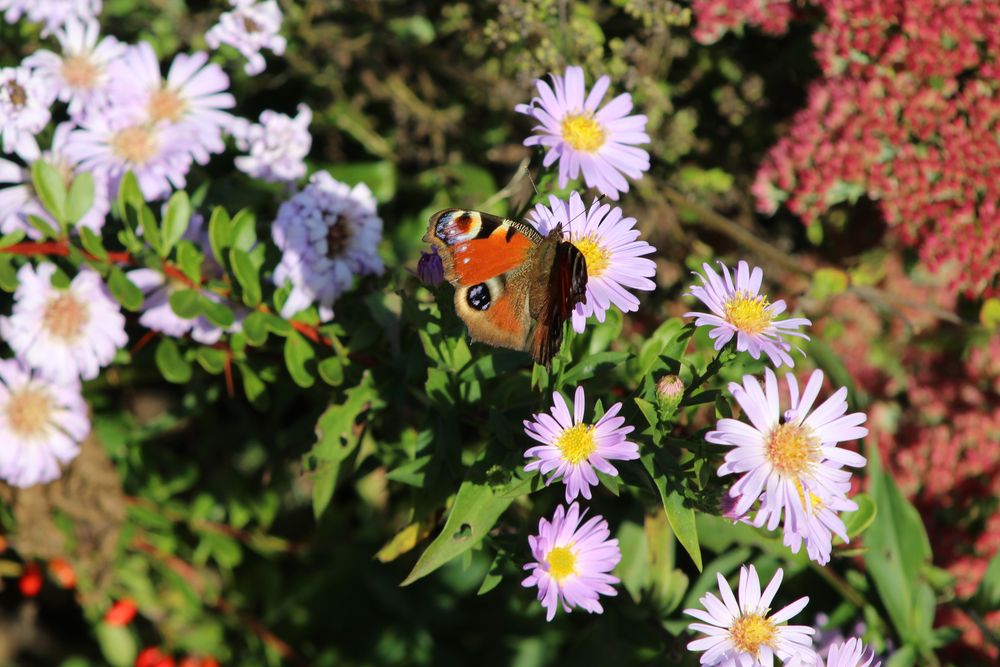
<point x="510" y="188"/>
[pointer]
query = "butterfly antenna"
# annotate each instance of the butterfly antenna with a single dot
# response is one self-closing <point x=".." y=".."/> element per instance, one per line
<point x="527" y="172"/>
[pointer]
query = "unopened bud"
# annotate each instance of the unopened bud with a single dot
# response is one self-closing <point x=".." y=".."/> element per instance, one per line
<point x="669" y="392"/>
<point x="430" y="268"/>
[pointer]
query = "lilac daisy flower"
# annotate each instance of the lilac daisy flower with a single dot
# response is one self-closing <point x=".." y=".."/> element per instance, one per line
<point x="277" y="145"/>
<point x="65" y="334"/>
<point x="250" y="28"/>
<point x="80" y="74"/>
<point x="744" y="633"/>
<point x="192" y="98"/>
<point x="738" y="309"/>
<point x="572" y="562"/>
<point x="785" y="455"/>
<point x="571" y="449"/>
<point x="851" y="653"/>
<point x="110" y="145"/>
<point x="816" y="525"/>
<point x="157" y="287"/>
<point x="18" y="199"/>
<point x="41" y="424"/>
<point x="25" y="98"/>
<point x="53" y="13"/>
<point x="598" y="141"/>
<point x="612" y="248"/>
<point x="328" y="233"/>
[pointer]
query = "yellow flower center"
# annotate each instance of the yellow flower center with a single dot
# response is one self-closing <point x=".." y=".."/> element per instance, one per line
<point x="562" y="563"/>
<point x="751" y="631"/>
<point x="136" y="144"/>
<point x="598" y="257"/>
<point x="18" y="95"/>
<point x="748" y="313"/>
<point x="28" y="412"/>
<point x="79" y="72"/>
<point x="577" y="443"/>
<point x="65" y="317"/>
<point x="165" y="104"/>
<point x="790" y="448"/>
<point x="582" y="132"/>
<point x="817" y="502"/>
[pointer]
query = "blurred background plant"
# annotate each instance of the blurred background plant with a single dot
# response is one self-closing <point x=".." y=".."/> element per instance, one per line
<point x="232" y="513"/>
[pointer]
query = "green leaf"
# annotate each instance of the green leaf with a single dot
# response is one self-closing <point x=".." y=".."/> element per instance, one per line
<point x="680" y="517"/>
<point x="989" y="314"/>
<point x="476" y="509"/>
<point x="324" y="484"/>
<point x="175" y="221"/>
<point x="244" y="230"/>
<point x="380" y="177"/>
<point x="11" y="238"/>
<point x="220" y="232"/>
<point x="493" y="576"/>
<point x="8" y="274"/>
<point x="987" y="596"/>
<point x="211" y="359"/>
<point x="859" y="520"/>
<point x="247" y="276"/>
<point x="189" y="259"/>
<point x="648" y="411"/>
<point x="331" y="371"/>
<point x="42" y="225"/>
<point x="216" y="312"/>
<point x="898" y="549"/>
<point x="50" y="188"/>
<point x="92" y="244"/>
<point x="150" y="230"/>
<point x="129" y="194"/>
<point x="255" y="328"/>
<point x="117" y="644"/>
<point x="124" y="290"/>
<point x="186" y="303"/>
<point x="80" y="198"/>
<point x="174" y="367"/>
<point x="298" y="355"/>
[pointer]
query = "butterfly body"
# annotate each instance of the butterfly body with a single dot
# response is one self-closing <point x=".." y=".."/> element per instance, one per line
<point x="514" y="287"/>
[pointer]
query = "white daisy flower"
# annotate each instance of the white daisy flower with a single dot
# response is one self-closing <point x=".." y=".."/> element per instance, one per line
<point x="53" y="13"/>
<point x="250" y="28"/>
<point x="42" y="424"/>
<point x="65" y="334"/>
<point x="277" y="145"/>
<point x="745" y="633"/>
<point x="25" y="98"/>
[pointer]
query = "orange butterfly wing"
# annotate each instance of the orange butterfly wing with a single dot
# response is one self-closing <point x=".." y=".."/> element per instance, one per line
<point x="477" y="246"/>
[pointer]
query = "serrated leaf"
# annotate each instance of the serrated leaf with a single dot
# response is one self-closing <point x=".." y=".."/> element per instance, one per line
<point x="186" y="303"/>
<point x="299" y="356"/>
<point x="124" y="290"/>
<point x="247" y="276"/>
<point x="175" y="221"/>
<point x="92" y="244"/>
<point x="50" y="188"/>
<point x="80" y="198"/>
<point x="172" y="364"/>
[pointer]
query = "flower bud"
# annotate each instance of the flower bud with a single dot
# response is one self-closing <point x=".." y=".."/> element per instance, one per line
<point x="430" y="268"/>
<point x="669" y="392"/>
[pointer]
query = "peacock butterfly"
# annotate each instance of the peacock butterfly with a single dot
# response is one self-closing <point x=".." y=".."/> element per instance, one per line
<point x="507" y="275"/>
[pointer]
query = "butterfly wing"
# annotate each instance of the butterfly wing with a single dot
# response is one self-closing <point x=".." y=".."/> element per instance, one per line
<point x="486" y="258"/>
<point x="566" y="287"/>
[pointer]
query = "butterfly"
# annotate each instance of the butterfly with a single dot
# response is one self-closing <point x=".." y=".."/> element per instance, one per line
<point x="507" y="276"/>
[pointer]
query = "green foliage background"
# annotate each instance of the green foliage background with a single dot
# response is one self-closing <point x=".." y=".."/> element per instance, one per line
<point x="275" y="526"/>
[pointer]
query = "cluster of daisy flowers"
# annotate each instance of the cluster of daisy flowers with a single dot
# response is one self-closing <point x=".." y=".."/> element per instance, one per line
<point x="112" y="110"/>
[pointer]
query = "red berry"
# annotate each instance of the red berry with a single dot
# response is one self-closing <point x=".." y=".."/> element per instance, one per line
<point x="121" y="613"/>
<point x="31" y="580"/>
<point x="62" y="572"/>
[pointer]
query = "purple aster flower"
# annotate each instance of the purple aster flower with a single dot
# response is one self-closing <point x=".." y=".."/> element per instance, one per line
<point x="598" y="141"/>
<point x="65" y="334"/>
<point x="572" y="562"/>
<point x="571" y="449"/>
<point x="53" y="13"/>
<point x="25" y="98"/>
<point x="157" y="314"/>
<point x="80" y="74"/>
<point x="328" y="233"/>
<point x="744" y="633"/>
<point x="41" y="424"/>
<point x="250" y="28"/>
<point x="192" y="98"/>
<point x="738" y="309"/>
<point x="18" y="199"/>
<point x="816" y="525"/>
<point x="788" y="456"/>
<point x="612" y="248"/>
<point x="277" y="145"/>
<point x="851" y="653"/>
<point x="110" y="145"/>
